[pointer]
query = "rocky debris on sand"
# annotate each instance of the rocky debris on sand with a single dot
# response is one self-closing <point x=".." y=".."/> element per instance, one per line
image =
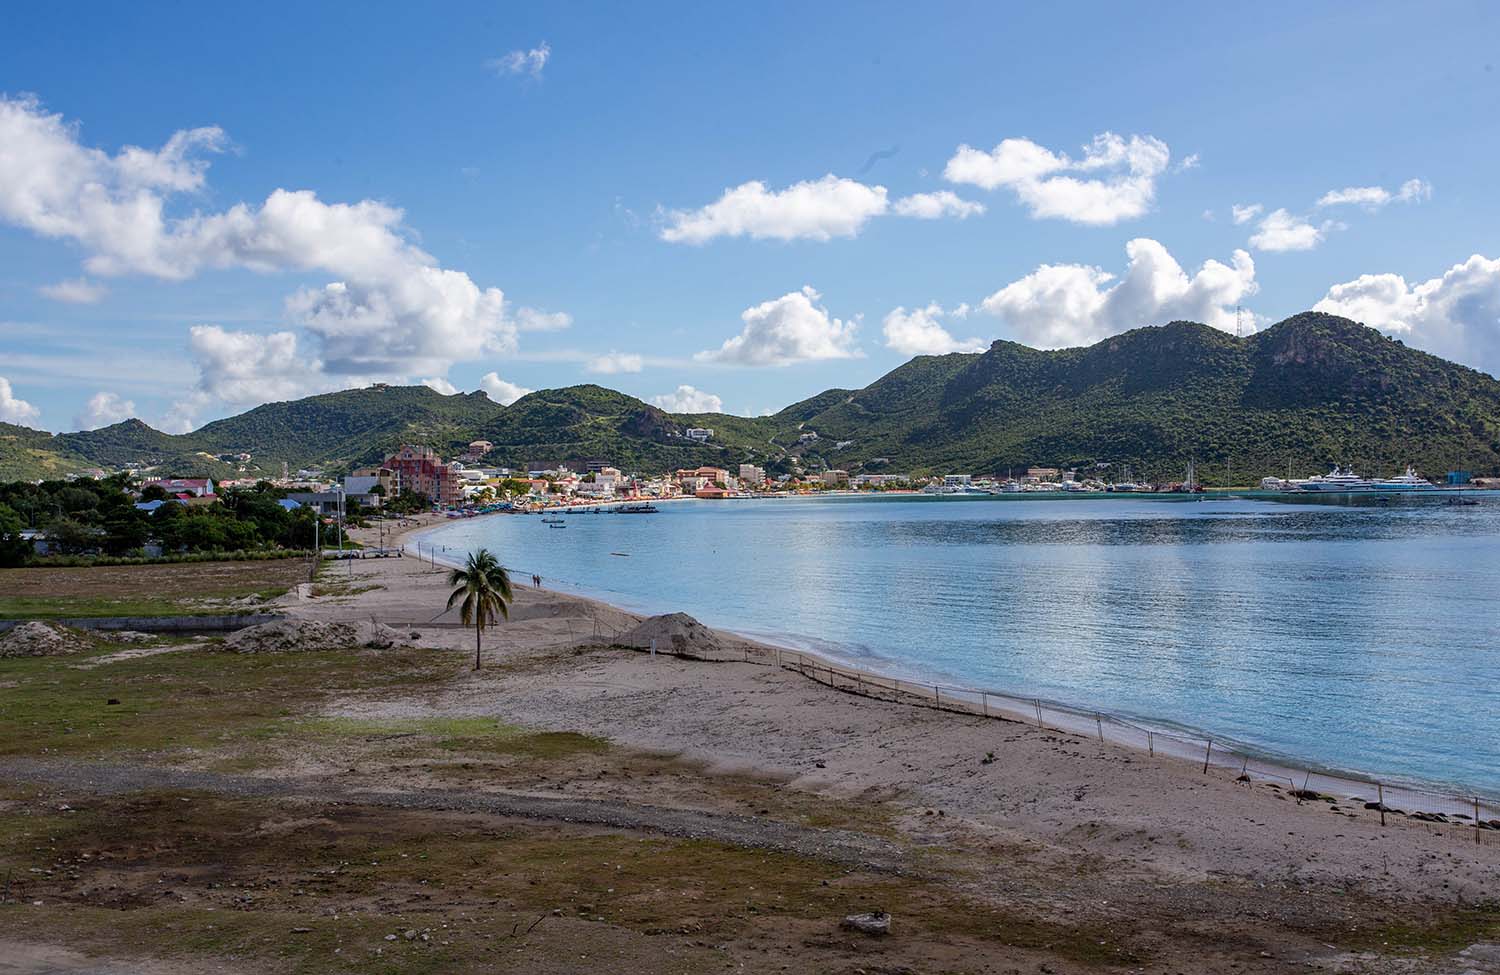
<point x="38" y="639"/>
<point x="128" y="636"/>
<point x="874" y="923"/>
<point x="676" y="633"/>
<point x="292" y="636"/>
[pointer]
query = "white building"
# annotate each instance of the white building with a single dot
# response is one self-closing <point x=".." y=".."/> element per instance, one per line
<point x="700" y="434"/>
<point x="752" y="476"/>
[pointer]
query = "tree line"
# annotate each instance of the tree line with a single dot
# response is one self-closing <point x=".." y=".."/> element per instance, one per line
<point x="99" y="517"/>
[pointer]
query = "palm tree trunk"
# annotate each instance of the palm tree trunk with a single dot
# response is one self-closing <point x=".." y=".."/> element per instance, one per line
<point x="477" y="632"/>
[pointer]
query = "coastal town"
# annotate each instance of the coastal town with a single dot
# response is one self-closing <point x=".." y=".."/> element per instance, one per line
<point x="416" y="477"/>
<point x="466" y="482"/>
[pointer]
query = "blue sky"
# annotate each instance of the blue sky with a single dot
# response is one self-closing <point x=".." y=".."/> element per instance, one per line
<point x="754" y="203"/>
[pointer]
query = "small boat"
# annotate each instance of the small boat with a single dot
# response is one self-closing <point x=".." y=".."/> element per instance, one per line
<point x="552" y="521"/>
<point x="623" y="555"/>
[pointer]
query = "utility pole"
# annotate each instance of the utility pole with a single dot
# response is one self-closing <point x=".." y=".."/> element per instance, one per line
<point x="342" y="532"/>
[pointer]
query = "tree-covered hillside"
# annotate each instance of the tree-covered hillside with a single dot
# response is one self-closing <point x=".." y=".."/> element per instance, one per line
<point x="1306" y="393"/>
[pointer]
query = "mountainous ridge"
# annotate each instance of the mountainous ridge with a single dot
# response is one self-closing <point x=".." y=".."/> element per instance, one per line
<point x="1307" y="392"/>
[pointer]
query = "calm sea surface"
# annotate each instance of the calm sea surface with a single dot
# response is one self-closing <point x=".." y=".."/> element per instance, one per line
<point x="1366" y="638"/>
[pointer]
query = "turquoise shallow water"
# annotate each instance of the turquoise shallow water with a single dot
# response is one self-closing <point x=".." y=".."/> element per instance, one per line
<point x="1365" y="638"/>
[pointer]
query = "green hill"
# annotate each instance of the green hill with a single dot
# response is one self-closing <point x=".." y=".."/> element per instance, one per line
<point x="1308" y="392"/>
<point x="27" y="454"/>
<point x="350" y="427"/>
<point x="583" y="423"/>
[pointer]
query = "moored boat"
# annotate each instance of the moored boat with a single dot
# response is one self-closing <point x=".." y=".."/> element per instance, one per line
<point x="1409" y="481"/>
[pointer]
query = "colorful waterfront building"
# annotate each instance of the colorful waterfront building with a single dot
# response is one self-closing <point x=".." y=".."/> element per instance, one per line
<point x="419" y="470"/>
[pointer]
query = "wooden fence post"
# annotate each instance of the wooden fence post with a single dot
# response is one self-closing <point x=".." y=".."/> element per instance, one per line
<point x="1380" y="801"/>
<point x="1206" y="755"/>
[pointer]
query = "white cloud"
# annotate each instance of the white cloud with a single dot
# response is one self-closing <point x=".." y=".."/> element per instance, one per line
<point x="13" y="410"/>
<point x="523" y="62"/>
<point x="1283" y="231"/>
<point x="1060" y="305"/>
<point x="1456" y="316"/>
<point x="812" y="210"/>
<point x="792" y="328"/>
<point x="1414" y="191"/>
<point x="390" y="310"/>
<point x="55" y="187"/>
<point x="532" y="320"/>
<point x="75" y="291"/>
<point x="689" y="400"/>
<point x="248" y="367"/>
<point x="1244" y="213"/>
<point x="501" y="391"/>
<point x="440" y="385"/>
<point x="934" y="206"/>
<point x="1188" y="162"/>
<point x="1367" y="196"/>
<point x="920" y="332"/>
<point x="1055" y="185"/>
<point x="613" y="363"/>
<point x="1375" y="197"/>
<point x="104" y="408"/>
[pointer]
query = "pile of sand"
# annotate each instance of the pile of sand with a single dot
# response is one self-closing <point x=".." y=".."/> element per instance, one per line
<point x="676" y="633"/>
<point x="38" y="639"/>
<point x="293" y="636"/>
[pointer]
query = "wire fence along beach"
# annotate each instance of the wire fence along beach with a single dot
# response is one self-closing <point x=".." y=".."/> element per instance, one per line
<point x="1471" y="818"/>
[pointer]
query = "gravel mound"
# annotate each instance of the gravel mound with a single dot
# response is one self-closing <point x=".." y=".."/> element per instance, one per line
<point x="38" y="639"/>
<point x="304" y="636"/>
<point x="675" y="633"/>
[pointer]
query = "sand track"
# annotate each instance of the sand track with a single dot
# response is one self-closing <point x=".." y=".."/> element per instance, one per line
<point x="851" y="849"/>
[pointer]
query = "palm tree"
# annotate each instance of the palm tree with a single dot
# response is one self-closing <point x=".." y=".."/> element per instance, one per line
<point x="485" y="587"/>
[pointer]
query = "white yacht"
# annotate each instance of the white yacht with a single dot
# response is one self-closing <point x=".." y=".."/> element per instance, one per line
<point x="1337" y="480"/>
<point x="1405" y="482"/>
<point x="950" y="490"/>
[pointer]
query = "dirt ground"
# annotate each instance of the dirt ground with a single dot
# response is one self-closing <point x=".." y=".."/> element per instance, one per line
<point x="576" y="806"/>
<point x="129" y="590"/>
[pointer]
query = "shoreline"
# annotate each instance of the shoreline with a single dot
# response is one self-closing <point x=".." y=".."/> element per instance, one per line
<point x="1147" y="735"/>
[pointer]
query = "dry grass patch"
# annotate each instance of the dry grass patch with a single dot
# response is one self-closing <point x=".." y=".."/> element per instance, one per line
<point x="183" y="588"/>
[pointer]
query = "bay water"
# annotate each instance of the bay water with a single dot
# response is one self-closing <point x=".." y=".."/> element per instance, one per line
<point x="1361" y="637"/>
